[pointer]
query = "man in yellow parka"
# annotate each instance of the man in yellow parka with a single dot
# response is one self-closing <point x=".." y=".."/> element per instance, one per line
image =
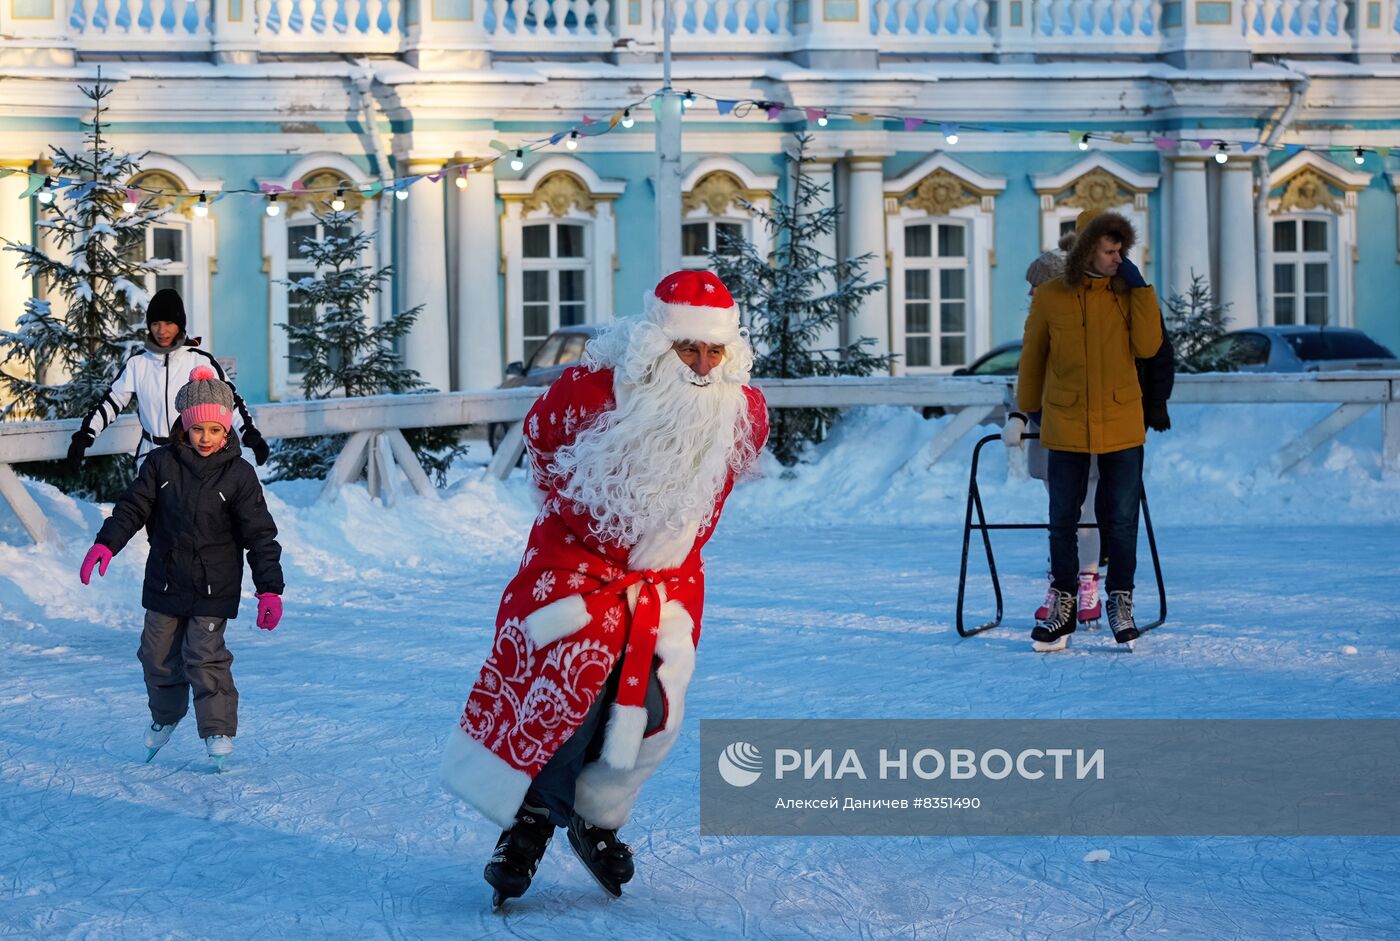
<point x="1078" y="369"/>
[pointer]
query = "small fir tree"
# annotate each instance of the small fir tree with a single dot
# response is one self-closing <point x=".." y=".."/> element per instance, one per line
<point x="1196" y="320"/>
<point x="338" y="352"/>
<point x="793" y="300"/>
<point x="70" y="345"/>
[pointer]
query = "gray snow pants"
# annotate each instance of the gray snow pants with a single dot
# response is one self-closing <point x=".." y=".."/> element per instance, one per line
<point x="183" y="654"/>
<point x="552" y="789"/>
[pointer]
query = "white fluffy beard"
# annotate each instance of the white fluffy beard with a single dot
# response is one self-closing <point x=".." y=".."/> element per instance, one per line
<point x="659" y="460"/>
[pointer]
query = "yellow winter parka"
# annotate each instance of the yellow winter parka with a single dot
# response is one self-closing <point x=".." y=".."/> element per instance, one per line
<point x="1077" y="362"/>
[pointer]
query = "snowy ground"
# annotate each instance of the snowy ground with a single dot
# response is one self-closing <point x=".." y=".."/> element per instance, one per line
<point x="830" y="595"/>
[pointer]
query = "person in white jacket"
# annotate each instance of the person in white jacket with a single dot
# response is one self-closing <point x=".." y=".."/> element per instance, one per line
<point x="153" y="375"/>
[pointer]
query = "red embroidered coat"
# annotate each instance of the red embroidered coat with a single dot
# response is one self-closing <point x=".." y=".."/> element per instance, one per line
<point x="576" y="606"/>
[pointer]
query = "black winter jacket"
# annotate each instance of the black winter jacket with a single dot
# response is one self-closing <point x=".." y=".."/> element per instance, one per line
<point x="202" y="513"/>
<point x="1157" y="373"/>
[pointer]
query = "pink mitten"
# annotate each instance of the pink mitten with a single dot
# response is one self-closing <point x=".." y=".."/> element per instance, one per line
<point x="99" y="556"/>
<point x="269" y="610"/>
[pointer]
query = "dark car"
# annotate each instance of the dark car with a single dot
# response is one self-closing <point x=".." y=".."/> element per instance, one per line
<point x="560" y="350"/>
<point x="1000" y="360"/>
<point x="1300" y="349"/>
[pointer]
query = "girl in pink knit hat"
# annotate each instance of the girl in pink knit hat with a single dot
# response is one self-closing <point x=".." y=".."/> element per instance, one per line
<point x="204" y="508"/>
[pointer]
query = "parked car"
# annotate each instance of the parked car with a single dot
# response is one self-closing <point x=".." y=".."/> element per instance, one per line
<point x="998" y="361"/>
<point x="560" y="350"/>
<point x="1301" y="349"/>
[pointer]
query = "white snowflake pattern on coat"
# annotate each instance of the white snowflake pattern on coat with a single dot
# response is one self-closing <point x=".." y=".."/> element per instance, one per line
<point x="529" y="557"/>
<point x="534" y="427"/>
<point x="612" y="619"/>
<point x="576" y="581"/>
<point x="544" y="585"/>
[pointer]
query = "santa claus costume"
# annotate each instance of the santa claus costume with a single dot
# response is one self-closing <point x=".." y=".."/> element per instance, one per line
<point x="633" y="454"/>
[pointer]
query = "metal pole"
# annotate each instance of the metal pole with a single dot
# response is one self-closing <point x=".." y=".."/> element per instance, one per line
<point x="668" y="159"/>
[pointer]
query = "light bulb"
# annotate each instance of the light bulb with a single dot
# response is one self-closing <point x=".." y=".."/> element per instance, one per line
<point x="822" y="121"/>
<point x="461" y="180"/>
<point x="517" y="162"/>
<point x="401" y="195"/>
<point x="950" y="133"/>
<point x="338" y="203"/>
<point x="1223" y="154"/>
<point x="1084" y="142"/>
<point x="572" y="142"/>
<point x="128" y="205"/>
<point x="627" y="120"/>
<point x="1360" y="157"/>
<point x="687" y="100"/>
<point x="272" y="208"/>
<point x="201" y="208"/>
<point x="46" y="194"/>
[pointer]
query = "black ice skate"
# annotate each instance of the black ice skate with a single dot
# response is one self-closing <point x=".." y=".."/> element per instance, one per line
<point x="1120" y="617"/>
<point x="518" y="854"/>
<point x="1052" y="631"/>
<point x="608" y="859"/>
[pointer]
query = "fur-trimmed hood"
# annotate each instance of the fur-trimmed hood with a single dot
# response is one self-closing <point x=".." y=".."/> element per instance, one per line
<point x="1090" y="227"/>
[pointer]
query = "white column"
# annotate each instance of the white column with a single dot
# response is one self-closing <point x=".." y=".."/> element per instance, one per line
<point x="1189" y="225"/>
<point x="1237" y="285"/>
<point x="478" y="294"/>
<point x="15" y="226"/>
<point x="820" y="172"/>
<point x="865" y="221"/>
<point x="423" y="277"/>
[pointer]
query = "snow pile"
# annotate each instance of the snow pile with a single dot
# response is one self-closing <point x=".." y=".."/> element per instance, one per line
<point x="1213" y="465"/>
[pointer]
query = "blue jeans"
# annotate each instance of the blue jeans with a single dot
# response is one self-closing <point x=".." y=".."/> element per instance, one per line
<point x="1116" y="506"/>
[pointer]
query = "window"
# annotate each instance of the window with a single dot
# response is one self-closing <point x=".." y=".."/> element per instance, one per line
<point x="1336" y="344"/>
<point x="554" y="288"/>
<point x="299" y="311"/>
<point x="935" y="295"/>
<point x="1302" y="261"/>
<point x="703" y="235"/>
<point x="168" y="242"/>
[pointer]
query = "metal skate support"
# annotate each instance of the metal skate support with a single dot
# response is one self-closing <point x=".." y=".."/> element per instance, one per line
<point x="974" y="503"/>
<point x="379" y="455"/>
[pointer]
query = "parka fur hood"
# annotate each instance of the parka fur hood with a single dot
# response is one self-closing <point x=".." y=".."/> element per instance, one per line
<point x="1091" y="226"/>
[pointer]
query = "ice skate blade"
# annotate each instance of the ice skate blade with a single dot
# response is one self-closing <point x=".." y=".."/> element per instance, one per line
<point x="1050" y="646"/>
<point x="151" y="753"/>
<point x="219" y="763"/>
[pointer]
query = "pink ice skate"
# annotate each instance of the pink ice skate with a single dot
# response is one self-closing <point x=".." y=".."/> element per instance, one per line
<point x="1090" y="606"/>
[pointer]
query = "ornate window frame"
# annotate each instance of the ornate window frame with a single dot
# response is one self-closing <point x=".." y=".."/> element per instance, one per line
<point x="711" y="191"/>
<point x="558" y="189"/>
<point x="1096" y="182"/>
<point x="296" y="207"/>
<point x="942" y="189"/>
<point x="1309" y="185"/>
<point x="201" y="235"/>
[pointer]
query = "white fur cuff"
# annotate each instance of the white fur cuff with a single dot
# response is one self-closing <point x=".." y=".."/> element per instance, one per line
<point x="556" y="620"/>
<point x="476" y="775"/>
<point x="623" y="737"/>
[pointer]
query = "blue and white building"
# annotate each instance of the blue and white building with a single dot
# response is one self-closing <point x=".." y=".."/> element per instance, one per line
<point x="234" y="94"/>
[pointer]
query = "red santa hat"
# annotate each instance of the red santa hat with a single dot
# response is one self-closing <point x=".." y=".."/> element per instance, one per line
<point x="694" y="305"/>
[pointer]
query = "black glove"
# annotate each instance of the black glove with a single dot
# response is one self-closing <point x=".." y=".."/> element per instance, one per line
<point x="82" y="440"/>
<point x="1132" y="277"/>
<point x="1154" y="414"/>
<point x="255" y="443"/>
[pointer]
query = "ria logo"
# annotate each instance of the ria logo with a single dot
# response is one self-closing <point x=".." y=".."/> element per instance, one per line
<point x="740" y="764"/>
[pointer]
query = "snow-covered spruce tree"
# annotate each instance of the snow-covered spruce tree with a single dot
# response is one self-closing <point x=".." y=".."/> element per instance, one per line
<point x="58" y="363"/>
<point x="793" y="299"/>
<point x="338" y="352"/>
<point x="1195" y="320"/>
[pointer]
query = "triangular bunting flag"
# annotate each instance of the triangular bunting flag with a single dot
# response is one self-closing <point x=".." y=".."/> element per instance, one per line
<point x="775" y="110"/>
<point x="724" y="107"/>
<point x="1205" y="143"/>
<point x="1383" y="152"/>
<point x="1164" y="143"/>
<point x="36" y="181"/>
<point x="1291" y="149"/>
<point x="587" y="121"/>
<point x="913" y="124"/>
<point x="371" y="190"/>
<point x="1075" y="137"/>
<point x="500" y="146"/>
<point x="814" y="114"/>
<point x="860" y="117"/>
<point x="1122" y="139"/>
